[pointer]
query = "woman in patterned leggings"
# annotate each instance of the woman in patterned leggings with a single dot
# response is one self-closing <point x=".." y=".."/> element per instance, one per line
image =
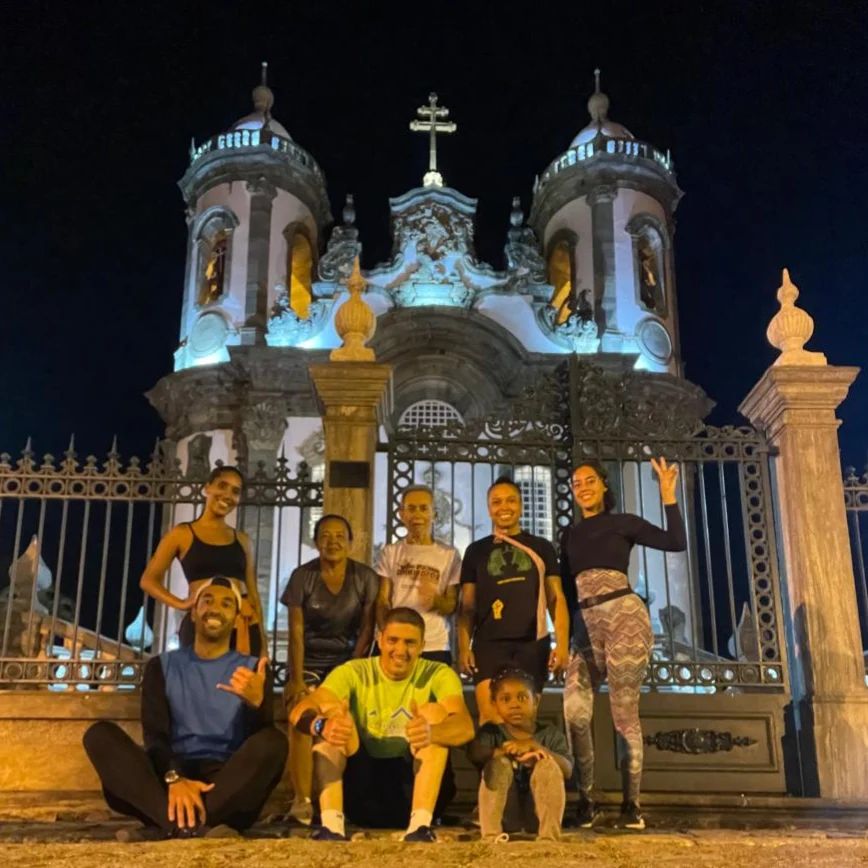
<point x="596" y="553"/>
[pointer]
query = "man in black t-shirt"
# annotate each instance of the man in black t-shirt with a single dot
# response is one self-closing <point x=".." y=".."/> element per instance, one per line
<point x="509" y="581"/>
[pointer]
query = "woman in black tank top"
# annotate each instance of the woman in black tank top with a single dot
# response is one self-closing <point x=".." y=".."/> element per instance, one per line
<point x="209" y="547"/>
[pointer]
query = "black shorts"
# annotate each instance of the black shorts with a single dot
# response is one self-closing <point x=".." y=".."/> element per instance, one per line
<point x="530" y="655"/>
<point x="378" y="793"/>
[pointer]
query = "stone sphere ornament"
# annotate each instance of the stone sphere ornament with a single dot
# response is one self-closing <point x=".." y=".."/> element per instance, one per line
<point x="355" y="323"/>
<point x="791" y="328"/>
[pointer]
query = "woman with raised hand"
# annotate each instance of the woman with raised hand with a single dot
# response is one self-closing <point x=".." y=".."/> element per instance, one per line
<point x="332" y="605"/>
<point x="207" y="547"/>
<point x="617" y="647"/>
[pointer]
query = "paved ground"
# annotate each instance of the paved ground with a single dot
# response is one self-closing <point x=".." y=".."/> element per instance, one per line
<point x="91" y="845"/>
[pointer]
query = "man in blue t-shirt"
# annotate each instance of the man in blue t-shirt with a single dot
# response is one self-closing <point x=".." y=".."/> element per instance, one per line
<point x="211" y="756"/>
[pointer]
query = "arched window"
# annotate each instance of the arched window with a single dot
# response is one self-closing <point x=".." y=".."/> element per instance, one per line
<point x="650" y="246"/>
<point x="213" y="239"/>
<point x="300" y="274"/>
<point x="429" y="414"/>
<point x="213" y="282"/>
<point x="562" y="274"/>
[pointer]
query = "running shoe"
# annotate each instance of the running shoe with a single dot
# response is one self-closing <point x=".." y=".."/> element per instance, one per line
<point x="323" y="833"/>
<point x="587" y="811"/>
<point x="631" y="817"/>
<point x="422" y="835"/>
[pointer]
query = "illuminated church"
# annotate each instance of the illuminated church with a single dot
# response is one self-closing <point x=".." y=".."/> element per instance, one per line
<point x="588" y="271"/>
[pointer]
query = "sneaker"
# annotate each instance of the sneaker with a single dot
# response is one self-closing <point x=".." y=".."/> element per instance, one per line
<point x="631" y="817"/>
<point x="323" y="833"/>
<point x="301" y="812"/>
<point x="422" y="835"/>
<point x="587" y="811"/>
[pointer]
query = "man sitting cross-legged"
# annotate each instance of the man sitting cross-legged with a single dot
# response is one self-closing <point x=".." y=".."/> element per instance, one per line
<point x="211" y="757"/>
<point x="382" y="729"/>
<point x="524" y="763"/>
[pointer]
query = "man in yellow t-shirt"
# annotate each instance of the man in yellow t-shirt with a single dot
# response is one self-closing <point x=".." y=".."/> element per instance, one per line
<point x="382" y="729"/>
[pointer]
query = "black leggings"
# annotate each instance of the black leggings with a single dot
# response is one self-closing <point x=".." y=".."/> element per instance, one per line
<point x="242" y="784"/>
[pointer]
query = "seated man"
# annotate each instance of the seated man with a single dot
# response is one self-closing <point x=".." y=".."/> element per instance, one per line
<point x="395" y="717"/>
<point x="524" y="763"/>
<point x="211" y="756"/>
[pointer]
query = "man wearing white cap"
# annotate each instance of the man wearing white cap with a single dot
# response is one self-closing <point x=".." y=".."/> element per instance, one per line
<point x="211" y="755"/>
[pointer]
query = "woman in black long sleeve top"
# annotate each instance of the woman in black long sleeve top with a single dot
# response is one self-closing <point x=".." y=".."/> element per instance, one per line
<point x="596" y="554"/>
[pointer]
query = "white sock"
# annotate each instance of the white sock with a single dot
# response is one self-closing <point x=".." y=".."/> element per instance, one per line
<point x="334" y="821"/>
<point x="419" y="817"/>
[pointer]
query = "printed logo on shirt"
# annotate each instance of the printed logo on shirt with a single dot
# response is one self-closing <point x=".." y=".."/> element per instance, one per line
<point x="418" y="573"/>
<point x="503" y="558"/>
<point x="398" y="722"/>
<point x="497" y="609"/>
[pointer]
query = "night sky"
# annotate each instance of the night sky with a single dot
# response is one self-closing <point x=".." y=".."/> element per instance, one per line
<point x="763" y="105"/>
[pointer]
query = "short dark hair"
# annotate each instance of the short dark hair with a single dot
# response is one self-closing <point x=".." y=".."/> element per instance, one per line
<point x="609" y="499"/>
<point x="404" y="615"/>
<point x="503" y="480"/>
<point x="220" y="469"/>
<point x="511" y="673"/>
<point x="328" y="516"/>
<point x="411" y="488"/>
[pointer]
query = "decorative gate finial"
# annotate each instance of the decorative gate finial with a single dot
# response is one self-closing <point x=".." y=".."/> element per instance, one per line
<point x="791" y="328"/>
<point x="430" y="123"/>
<point x="355" y="323"/>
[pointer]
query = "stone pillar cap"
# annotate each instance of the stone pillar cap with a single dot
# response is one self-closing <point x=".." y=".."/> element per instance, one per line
<point x="791" y="328"/>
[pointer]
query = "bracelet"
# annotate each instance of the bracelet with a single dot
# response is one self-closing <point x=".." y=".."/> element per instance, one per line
<point x="304" y="723"/>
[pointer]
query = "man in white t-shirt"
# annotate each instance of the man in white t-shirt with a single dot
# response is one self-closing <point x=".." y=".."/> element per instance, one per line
<point x="421" y="573"/>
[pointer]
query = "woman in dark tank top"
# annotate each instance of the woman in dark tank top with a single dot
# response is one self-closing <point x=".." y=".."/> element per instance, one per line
<point x="332" y="602"/>
<point x="208" y="547"/>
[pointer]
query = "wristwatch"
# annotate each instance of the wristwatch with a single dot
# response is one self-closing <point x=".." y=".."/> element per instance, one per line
<point x="317" y="727"/>
<point x="171" y="777"/>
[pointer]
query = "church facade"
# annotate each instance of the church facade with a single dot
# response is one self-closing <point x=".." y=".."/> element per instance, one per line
<point x="589" y="272"/>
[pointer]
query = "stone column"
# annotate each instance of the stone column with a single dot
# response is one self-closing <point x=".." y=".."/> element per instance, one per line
<point x="262" y="194"/>
<point x="600" y="198"/>
<point x="355" y="395"/>
<point x="257" y="435"/>
<point x="794" y="403"/>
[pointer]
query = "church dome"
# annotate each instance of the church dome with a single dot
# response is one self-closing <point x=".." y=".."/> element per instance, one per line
<point x="598" y="109"/>
<point x="263" y="100"/>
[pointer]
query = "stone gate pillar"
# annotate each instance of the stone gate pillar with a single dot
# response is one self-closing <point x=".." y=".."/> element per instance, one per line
<point x="355" y="395"/>
<point x="794" y="403"/>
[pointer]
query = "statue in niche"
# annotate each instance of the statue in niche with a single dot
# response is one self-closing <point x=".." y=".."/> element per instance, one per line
<point x="584" y="306"/>
<point x="214" y="272"/>
<point x="649" y="279"/>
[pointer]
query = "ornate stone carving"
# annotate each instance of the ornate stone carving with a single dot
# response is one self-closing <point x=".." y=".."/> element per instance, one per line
<point x="355" y="323"/>
<point x="259" y="428"/>
<point x="602" y="193"/>
<point x="578" y="332"/>
<point x="344" y="247"/>
<point x="199" y="456"/>
<point x="434" y="261"/>
<point x="634" y="404"/>
<point x="697" y="741"/>
<point x="286" y="328"/>
<point x="261" y="186"/>
<point x="791" y="327"/>
<point x="524" y="261"/>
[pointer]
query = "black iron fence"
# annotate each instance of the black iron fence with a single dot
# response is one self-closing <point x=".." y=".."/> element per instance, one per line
<point x="74" y="539"/>
<point x="856" y="504"/>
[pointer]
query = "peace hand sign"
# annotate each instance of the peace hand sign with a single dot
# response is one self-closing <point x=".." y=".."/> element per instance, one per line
<point x="667" y="476"/>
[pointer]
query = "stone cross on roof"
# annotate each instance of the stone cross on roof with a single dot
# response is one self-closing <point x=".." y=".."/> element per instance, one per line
<point x="430" y="123"/>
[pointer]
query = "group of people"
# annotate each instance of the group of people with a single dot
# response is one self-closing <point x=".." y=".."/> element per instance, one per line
<point x="374" y="704"/>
